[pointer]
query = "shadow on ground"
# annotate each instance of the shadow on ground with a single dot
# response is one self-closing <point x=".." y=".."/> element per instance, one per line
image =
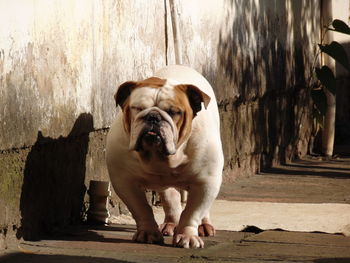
<point x="332" y="260"/>
<point x="113" y="234"/>
<point x="337" y="168"/>
<point x="23" y="257"/>
<point x="301" y="172"/>
<point x="97" y="233"/>
<point x="309" y="180"/>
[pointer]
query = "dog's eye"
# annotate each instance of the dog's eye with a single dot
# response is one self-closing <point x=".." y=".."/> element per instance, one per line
<point x="138" y="109"/>
<point x="172" y="113"/>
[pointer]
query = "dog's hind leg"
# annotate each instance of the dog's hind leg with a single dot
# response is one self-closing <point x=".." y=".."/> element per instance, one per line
<point x="206" y="229"/>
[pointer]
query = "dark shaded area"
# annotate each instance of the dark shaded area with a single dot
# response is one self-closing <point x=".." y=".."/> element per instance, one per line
<point x="53" y="185"/>
<point x="342" y="166"/>
<point x="252" y="229"/>
<point x="101" y="233"/>
<point x="88" y="232"/>
<point x="343" y="91"/>
<point x="270" y="78"/>
<point x="22" y="257"/>
<point x="306" y="172"/>
<point x="342" y="125"/>
<point x="320" y="168"/>
<point x="342" y="132"/>
<point x="332" y="260"/>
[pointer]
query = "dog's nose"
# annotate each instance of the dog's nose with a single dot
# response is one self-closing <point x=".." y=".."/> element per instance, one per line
<point x="153" y="117"/>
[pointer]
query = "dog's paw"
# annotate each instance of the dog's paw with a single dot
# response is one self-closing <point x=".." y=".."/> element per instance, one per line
<point x="188" y="241"/>
<point x="206" y="230"/>
<point x="167" y="229"/>
<point x="148" y="236"/>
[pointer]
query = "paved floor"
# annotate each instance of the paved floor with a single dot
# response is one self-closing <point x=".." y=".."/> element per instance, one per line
<point x="306" y="181"/>
<point x="311" y="180"/>
<point x="112" y="245"/>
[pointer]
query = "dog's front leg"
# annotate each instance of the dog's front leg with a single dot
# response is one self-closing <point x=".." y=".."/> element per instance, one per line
<point x="135" y="199"/>
<point x="200" y="199"/>
<point x="171" y="202"/>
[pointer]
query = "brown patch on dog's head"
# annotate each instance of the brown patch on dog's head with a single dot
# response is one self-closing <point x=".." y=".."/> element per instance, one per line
<point x="123" y="93"/>
<point x="182" y="106"/>
<point x="188" y="98"/>
<point x="195" y="97"/>
<point x="126" y="88"/>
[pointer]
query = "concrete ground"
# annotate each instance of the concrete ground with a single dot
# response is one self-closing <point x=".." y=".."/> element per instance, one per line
<point x="311" y="180"/>
<point x="112" y="245"/>
<point x="305" y="181"/>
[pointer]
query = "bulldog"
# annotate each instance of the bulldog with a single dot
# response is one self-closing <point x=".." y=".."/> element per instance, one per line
<point x="167" y="138"/>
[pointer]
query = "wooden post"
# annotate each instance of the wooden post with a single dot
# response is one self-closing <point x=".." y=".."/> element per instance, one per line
<point x="176" y="32"/>
<point x="329" y="120"/>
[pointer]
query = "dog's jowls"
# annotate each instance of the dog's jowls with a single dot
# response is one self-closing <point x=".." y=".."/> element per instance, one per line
<point x="166" y="137"/>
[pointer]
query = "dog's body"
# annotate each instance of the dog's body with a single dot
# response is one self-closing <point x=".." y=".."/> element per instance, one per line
<point x="162" y="140"/>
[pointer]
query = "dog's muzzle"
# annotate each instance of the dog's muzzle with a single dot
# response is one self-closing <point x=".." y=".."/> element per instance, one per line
<point x="150" y="134"/>
<point x="156" y="134"/>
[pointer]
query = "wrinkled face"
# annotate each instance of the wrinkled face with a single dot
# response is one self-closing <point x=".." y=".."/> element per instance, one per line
<point x="158" y="114"/>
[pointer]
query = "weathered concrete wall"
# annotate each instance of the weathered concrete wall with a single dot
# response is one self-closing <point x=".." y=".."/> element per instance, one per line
<point x="43" y="187"/>
<point x="60" y="63"/>
<point x="62" y="58"/>
<point x="258" y="55"/>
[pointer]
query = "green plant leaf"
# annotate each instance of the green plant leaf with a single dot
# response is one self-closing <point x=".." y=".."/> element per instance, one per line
<point x="340" y="26"/>
<point x="336" y="51"/>
<point x="320" y="101"/>
<point x="326" y="77"/>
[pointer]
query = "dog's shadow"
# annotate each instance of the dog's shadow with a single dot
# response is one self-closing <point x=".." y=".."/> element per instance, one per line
<point x="98" y="233"/>
<point x="105" y="234"/>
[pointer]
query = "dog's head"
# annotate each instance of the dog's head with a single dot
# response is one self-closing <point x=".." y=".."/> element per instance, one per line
<point x="158" y="113"/>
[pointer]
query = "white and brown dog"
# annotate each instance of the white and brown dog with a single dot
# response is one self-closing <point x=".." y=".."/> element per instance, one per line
<point x="163" y="140"/>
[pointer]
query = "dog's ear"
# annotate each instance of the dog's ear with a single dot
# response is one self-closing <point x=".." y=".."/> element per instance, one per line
<point x="196" y="97"/>
<point x="124" y="92"/>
